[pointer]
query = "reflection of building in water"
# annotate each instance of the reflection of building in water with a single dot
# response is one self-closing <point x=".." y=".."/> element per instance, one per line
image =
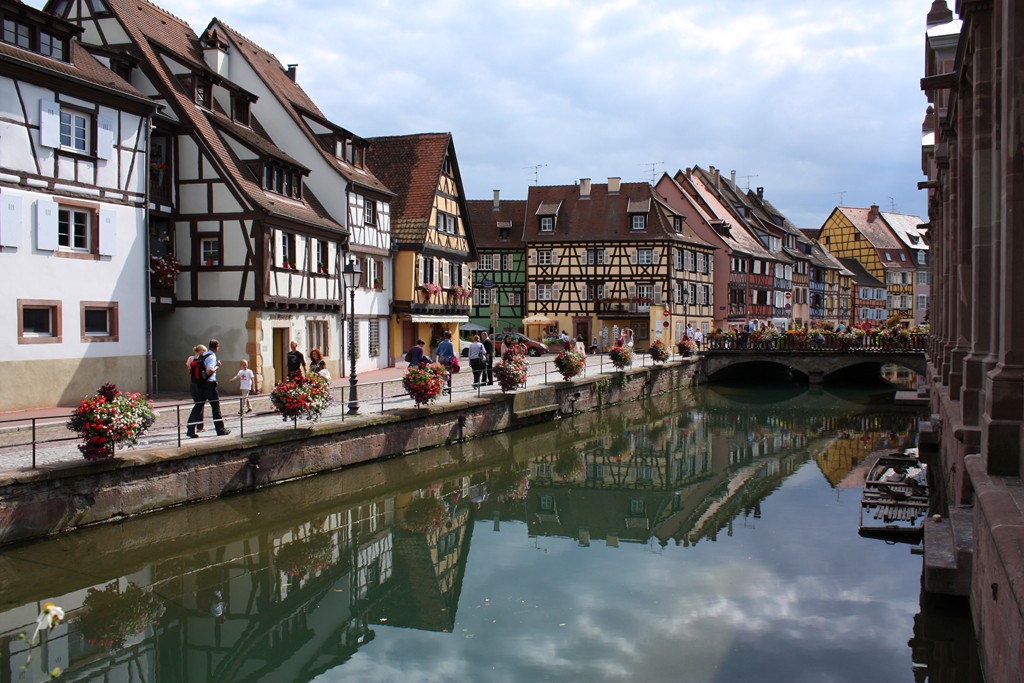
<point x="900" y="376"/>
<point x="855" y="437"/>
<point x="281" y="604"/>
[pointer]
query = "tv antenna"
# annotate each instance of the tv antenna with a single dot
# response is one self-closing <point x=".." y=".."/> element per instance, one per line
<point x="536" y="170"/>
<point x="842" y="195"/>
<point x="892" y="205"/>
<point x="653" y="169"/>
<point x="747" y="178"/>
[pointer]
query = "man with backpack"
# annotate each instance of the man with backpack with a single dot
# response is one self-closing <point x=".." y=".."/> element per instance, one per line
<point x="204" y="380"/>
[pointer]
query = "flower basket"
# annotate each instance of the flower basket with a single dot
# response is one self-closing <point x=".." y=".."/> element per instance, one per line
<point x="685" y="346"/>
<point x="110" y="419"/>
<point x="165" y="270"/>
<point x="303" y="396"/>
<point x="621" y="357"/>
<point x="309" y="555"/>
<point x="658" y="351"/>
<point x="569" y="364"/>
<point x="511" y="373"/>
<point x="430" y="289"/>
<point x="109" y="616"/>
<point x="424" y="515"/>
<point x="424" y="382"/>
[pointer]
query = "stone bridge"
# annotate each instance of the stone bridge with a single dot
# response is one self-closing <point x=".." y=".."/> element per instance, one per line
<point x="817" y="366"/>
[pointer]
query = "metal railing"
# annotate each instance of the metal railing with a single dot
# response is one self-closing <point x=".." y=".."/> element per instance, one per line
<point x="880" y="342"/>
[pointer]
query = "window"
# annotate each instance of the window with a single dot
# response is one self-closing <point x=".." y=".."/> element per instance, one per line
<point x="547" y="503"/>
<point x="677" y="223"/>
<point x="446" y="223"/>
<point x="282" y="180"/>
<point x="637" y="506"/>
<point x="39" y="321"/>
<point x="903" y="257"/>
<point x="922" y="301"/>
<point x="643" y="297"/>
<point x="644" y="474"/>
<point x="316" y="332"/>
<point x="482" y="297"/>
<point x="99" y="321"/>
<point x="486" y="262"/>
<point x="888" y="256"/>
<point x="507" y="262"/>
<point x="504" y="233"/>
<point x="639" y="222"/>
<point x="18" y="34"/>
<point x="51" y="45"/>
<point x="455" y="274"/>
<point x="514" y="298"/>
<point x="700" y="262"/>
<point x="645" y="257"/>
<point x="428" y="269"/>
<point x="595" y="257"/>
<point x="289" y="255"/>
<point x="321" y="257"/>
<point x="209" y="251"/>
<point x="73" y="229"/>
<point x="373" y="338"/>
<point x="446" y="166"/>
<point x="544" y="292"/>
<point x="921" y="258"/>
<point x="370" y="212"/>
<point x="544" y="257"/>
<point x="922" y="277"/>
<point x="202" y="94"/>
<point x="74" y="130"/>
<point x="240" y="109"/>
<point x="547" y="223"/>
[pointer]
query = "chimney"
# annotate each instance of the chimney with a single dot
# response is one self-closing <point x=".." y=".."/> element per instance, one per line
<point x="614" y="184"/>
<point x="716" y="175"/>
<point x="215" y="53"/>
<point x="292" y="68"/>
<point x="873" y="213"/>
<point x="732" y="176"/>
<point x="584" y="188"/>
<point x="760" y="194"/>
<point x="939" y="14"/>
<point x="497" y="199"/>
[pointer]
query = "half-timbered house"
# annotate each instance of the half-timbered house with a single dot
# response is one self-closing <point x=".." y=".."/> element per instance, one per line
<point x="864" y="236"/>
<point x="499" y="279"/>
<point x="744" y="284"/>
<point x="602" y="257"/>
<point x="349" y="192"/>
<point x="796" y="246"/>
<point x="433" y="241"/>
<point x="260" y="255"/>
<point x="73" y="264"/>
<point x="909" y="230"/>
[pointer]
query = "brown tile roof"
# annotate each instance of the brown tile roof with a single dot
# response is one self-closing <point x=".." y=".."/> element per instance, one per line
<point x="410" y="165"/>
<point x="296" y="101"/>
<point x="151" y="27"/>
<point x="875" y="231"/>
<point x="738" y="238"/>
<point x="486" y="222"/>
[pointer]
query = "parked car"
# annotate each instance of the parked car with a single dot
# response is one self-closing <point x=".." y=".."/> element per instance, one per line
<point x="533" y="347"/>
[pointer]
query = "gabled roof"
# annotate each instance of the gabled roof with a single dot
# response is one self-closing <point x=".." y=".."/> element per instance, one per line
<point x="296" y="101"/>
<point x="488" y="220"/>
<point x="739" y="239"/>
<point x="410" y="165"/>
<point x="861" y="277"/>
<point x="152" y="30"/>
<point x="874" y="230"/>
<point x="601" y="215"/>
<point x="907" y="229"/>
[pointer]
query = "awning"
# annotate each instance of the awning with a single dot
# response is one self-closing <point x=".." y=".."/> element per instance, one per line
<point x="472" y="327"/>
<point x="439" y="319"/>
<point x="537" y="320"/>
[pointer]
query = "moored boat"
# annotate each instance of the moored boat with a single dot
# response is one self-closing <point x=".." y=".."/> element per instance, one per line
<point x="895" y="499"/>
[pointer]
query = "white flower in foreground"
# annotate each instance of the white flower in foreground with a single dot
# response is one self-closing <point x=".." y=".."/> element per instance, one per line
<point x="48" y="618"/>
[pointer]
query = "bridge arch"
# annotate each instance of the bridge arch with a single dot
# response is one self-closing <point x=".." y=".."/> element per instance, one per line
<point x="816" y="366"/>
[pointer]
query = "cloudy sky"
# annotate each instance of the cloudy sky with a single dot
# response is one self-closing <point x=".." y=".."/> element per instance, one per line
<point x="817" y="102"/>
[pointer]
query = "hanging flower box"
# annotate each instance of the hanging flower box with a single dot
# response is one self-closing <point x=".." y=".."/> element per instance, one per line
<point x="110" y="419"/>
<point x="658" y="351"/>
<point x="569" y="364"/>
<point x="424" y="382"/>
<point x="165" y="270"/>
<point x="309" y="555"/>
<point x="305" y="396"/>
<point x="621" y="357"/>
<point x="685" y="346"/>
<point x="511" y="373"/>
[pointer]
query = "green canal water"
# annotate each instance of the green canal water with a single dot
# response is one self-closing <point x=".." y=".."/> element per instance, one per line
<point x="708" y="537"/>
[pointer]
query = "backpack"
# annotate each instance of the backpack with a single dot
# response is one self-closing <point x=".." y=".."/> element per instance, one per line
<point x="197" y="371"/>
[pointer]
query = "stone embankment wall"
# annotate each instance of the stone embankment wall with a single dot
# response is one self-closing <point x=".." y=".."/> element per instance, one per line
<point x="51" y="500"/>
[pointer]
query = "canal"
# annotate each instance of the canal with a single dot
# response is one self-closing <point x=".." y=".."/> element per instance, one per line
<point x="705" y="536"/>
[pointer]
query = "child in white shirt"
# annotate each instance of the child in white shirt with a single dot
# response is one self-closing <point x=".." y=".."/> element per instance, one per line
<point x="245" y="378"/>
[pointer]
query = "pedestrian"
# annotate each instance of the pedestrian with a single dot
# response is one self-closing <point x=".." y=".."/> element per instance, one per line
<point x="489" y="361"/>
<point x="318" y="365"/>
<point x="246" y="380"/>
<point x="206" y="378"/>
<point x="194" y="389"/>
<point x="564" y="338"/>
<point x="698" y="339"/>
<point x="446" y="357"/>
<point x="477" y="359"/>
<point x="415" y="355"/>
<point x="296" y="361"/>
<point x="507" y="349"/>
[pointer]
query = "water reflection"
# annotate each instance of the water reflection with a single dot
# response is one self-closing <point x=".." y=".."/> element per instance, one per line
<point x="297" y="581"/>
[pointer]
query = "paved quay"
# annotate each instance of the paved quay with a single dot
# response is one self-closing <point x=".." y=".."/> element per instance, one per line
<point x="36" y="438"/>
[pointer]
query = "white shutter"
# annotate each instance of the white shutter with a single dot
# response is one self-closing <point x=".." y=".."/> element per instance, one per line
<point x="531" y="291"/>
<point x="49" y="123"/>
<point x="46" y="225"/>
<point x="583" y="291"/>
<point x="437" y="271"/>
<point x="657" y="295"/>
<point x="655" y="256"/>
<point x="105" y="137"/>
<point x="446" y="274"/>
<point x="533" y="257"/>
<point x="465" y="276"/>
<point x="419" y="270"/>
<point x="632" y="256"/>
<point x="554" y="292"/>
<point x="554" y="257"/>
<point x="630" y="291"/>
<point x="108" y="233"/>
<point x="10" y="221"/>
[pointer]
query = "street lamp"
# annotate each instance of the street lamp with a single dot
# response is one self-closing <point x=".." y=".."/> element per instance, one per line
<point x="350" y="273"/>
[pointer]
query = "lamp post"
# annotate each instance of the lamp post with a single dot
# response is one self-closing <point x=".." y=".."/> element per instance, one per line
<point x="350" y="273"/>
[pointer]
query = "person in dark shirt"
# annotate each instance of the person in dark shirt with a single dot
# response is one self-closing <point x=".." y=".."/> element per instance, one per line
<point x="415" y="354"/>
<point x="296" y="361"/>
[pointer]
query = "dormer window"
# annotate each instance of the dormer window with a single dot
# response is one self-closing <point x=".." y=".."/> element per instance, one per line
<point x="240" y="110"/>
<point x="547" y="223"/>
<point x="282" y="180"/>
<point x="17" y="34"/>
<point x="350" y="150"/>
<point x="51" y="46"/>
<point x="639" y="222"/>
<point x="677" y="223"/>
<point x="203" y="94"/>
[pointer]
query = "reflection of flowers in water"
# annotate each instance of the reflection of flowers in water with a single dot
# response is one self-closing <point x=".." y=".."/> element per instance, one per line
<point x="570" y="465"/>
<point x="424" y="515"/>
<point x="109" y="616"/>
<point x="309" y="555"/>
<point x="517" y="491"/>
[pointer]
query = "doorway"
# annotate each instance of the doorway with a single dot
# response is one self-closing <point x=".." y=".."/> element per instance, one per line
<point x="280" y="354"/>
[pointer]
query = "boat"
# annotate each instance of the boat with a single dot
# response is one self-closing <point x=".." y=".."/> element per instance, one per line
<point x="895" y="500"/>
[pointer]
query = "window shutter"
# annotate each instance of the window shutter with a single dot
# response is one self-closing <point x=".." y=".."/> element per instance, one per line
<point x="105" y="137"/>
<point x="583" y="291"/>
<point x="657" y="295"/>
<point x="446" y="274"/>
<point x="49" y="124"/>
<point x="10" y="221"/>
<point x="630" y="291"/>
<point x="531" y="291"/>
<point x="419" y="270"/>
<point x="554" y="257"/>
<point x="476" y="297"/>
<point x="533" y="257"/>
<point x="554" y="292"/>
<point x="108" y="233"/>
<point x="655" y="256"/>
<point x="465" y="275"/>
<point x="632" y="256"/>
<point x="438" y="279"/>
<point x="46" y="225"/>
